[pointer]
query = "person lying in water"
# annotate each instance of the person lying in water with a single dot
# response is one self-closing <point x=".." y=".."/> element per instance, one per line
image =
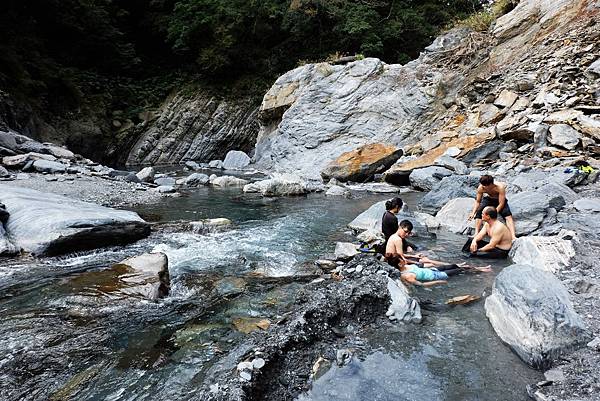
<point x="500" y="236"/>
<point x="398" y="245"/>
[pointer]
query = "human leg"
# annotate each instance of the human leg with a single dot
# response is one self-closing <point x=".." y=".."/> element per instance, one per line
<point x="492" y="254"/>
<point x="510" y="223"/>
<point x="450" y="270"/>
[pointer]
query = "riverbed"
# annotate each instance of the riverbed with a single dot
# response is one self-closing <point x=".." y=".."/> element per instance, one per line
<point x="65" y="334"/>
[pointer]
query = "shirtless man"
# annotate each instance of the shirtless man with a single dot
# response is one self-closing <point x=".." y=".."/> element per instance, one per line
<point x="496" y="197"/>
<point x="398" y="249"/>
<point x="500" y="238"/>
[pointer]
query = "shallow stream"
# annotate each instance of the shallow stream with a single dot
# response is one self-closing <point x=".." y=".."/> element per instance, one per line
<point x="67" y="334"/>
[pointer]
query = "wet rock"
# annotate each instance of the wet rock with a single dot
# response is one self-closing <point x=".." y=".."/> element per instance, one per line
<point x="457" y="186"/>
<point x="146" y="174"/>
<point x="228" y="181"/>
<point x="196" y="179"/>
<point x="402" y="308"/>
<point x="210" y="225"/>
<point x="146" y="275"/>
<point x="279" y="185"/>
<point x="166" y="189"/>
<point x="165" y="181"/>
<point x="564" y="135"/>
<point x="7" y="248"/>
<point x="550" y="254"/>
<point x="192" y="165"/>
<point x="529" y="209"/>
<point x="230" y="286"/>
<point x="218" y="164"/>
<point x="361" y="164"/>
<point x="132" y="177"/>
<point x="453" y="216"/>
<point x="426" y="178"/>
<point x="236" y="160"/>
<point x="4" y="172"/>
<point x="343" y="356"/>
<point x="337" y="190"/>
<point x="371" y="219"/>
<point x="345" y="251"/>
<point x="530" y="310"/>
<point x="587" y="205"/>
<point x="49" y="224"/>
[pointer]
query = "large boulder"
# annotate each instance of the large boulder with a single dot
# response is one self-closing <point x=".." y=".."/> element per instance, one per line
<point x="345" y="251"/>
<point x="146" y="174"/>
<point x="587" y="205"/>
<point x="426" y="178"/>
<point x="279" y="185"/>
<point x="361" y="164"/>
<point x="49" y="224"/>
<point x="564" y="135"/>
<point x="228" y="181"/>
<point x="145" y="276"/>
<point x="210" y="225"/>
<point x="530" y="310"/>
<point x="402" y="307"/>
<point x="456" y="186"/>
<point x="196" y="179"/>
<point x="529" y="209"/>
<point x="47" y="166"/>
<point x="550" y="254"/>
<point x="370" y="219"/>
<point x="453" y="164"/>
<point x="4" y="172"/>
<point x="7" y="140"/>
<point x="236" y="160"/>
<point x="453" y="216"/>
<point x="19" y="161"/>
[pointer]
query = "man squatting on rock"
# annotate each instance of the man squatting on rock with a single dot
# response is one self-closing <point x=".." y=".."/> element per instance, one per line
<point x="496" y="197"/>
<point x="417" y="269"/>
<point x="500" y="238"/>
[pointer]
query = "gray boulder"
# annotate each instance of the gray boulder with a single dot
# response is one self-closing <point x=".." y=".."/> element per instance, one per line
<point x="32" y="146"/>
<point x="196" y="179"/>
<point x="530" y="310"/>
<point x="144" y="276"/>
<point x="236" y="160"/>
<point x="166" y="189"/>
<point x="19" y="161"/>
<point x="210" y="225"/>
<point x="426" y="178"/>
<point x="564" y="135"/>
<point x="8" y="141"/>
<point x="7" y="248"/>
<point x="593" y="71"/>
<point x="402" y="307"/>
<point x="279" y="185"/>
<point x="59" y="152"/>
<point x="559" y="195"/>
<point x="456" y="186"/>
<point x="192" y="165"/>
<point x="529" y="209"/>
<point x="49" y="224"/>
<point x="228" y="181"/>
<point x="550" y="254"/>
<point x="452" y="164"/>
<point x="587" y="205"/>
<point x="370" y="219"/>
<point x="215" y="164"/>
<point x="170" y="181"/>
<point x="4" y="172"/>
<point x="146" y="174"/>
<point x="345" y="251"/>
<point x="453" y="216"/>
<point x="337" y="190"/>
<point x="47" y="166"/>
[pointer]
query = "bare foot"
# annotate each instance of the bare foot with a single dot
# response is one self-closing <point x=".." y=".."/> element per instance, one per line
<point x="486" y="269"/>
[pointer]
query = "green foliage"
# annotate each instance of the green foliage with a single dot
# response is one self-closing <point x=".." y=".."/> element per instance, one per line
<point x="481" y="20"/>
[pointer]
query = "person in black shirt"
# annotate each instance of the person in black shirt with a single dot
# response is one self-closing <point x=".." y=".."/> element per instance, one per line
<point x="389" y="221"/>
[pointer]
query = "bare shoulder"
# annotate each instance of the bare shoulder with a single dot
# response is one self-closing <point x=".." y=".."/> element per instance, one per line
<point x="501" y="186"/>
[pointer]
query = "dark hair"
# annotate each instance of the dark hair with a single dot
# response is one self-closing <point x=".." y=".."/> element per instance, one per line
<point x="406" y="224"/>
<point x="393" y="203"/>
<point x="486" y="180"/>
<point x="492" y="212"/>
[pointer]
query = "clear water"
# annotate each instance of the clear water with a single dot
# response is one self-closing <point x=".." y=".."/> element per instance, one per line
<point x="63" y="335"/>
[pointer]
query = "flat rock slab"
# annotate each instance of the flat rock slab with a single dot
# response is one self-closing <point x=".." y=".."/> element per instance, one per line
<point x="587" y="204"/>
<point x="550" y="254"/>
<point x="453" y="216"/>
<point x="49" y="224"/>
<point x="530" y="310"/>
<point x="362" y="163"/>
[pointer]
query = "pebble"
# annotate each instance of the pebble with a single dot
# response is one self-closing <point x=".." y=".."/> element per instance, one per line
<point x="244" y="366"/>
<point x="594" y="344"/>
<point x="359" y="269"/>
<point x="350" y="270"/>
<point x="258" y="363"/>
<point x="246" y="376"/>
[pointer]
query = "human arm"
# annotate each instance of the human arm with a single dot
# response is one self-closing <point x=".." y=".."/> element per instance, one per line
<point x="501" y="198"/>
<point x="480" y="235"/>
<point x="495" y="238"/>
<point x="477" y="203"/>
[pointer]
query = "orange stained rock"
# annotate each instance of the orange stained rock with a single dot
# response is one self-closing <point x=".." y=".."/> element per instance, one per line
<point x="366" y="154"/>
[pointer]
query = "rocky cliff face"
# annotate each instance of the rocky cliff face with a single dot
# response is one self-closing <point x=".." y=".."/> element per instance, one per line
<point x="498" y="86"/>
<point x="196" y="127"/>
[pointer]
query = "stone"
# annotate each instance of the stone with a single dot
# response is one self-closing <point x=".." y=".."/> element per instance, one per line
<point x="564" y="135"/>
<point x="258" y="363"/>
<point x="594" y="344"/>
<point x="196" y="179"/>
<point x="279" y="185"/>
<point x="587" y="205"/>
<point x="337" y="190"/>
<point x="48" y="224"/>
<point x="593" y="71"/>
<point x="506" y="99"/>
<point x="540" y="135"/>
<point x="228" y="181"/>
<point x="402" y="307"/>
<point x="456" y="186"/>
<point x="370" y="236"/>
<point x="60" y="152"/>
<point x="426" y="178"/>
<point x="165" y="181"/>
<point x="192" y="165"/>
<point x="8" y="141"/>
<point x="7" y="248"/>
<point x="229" y="286"/>
<point x="362" y="163"/>
<point x="236" y="160"/>
<point x="530" y="310"/>
<point x="146" y="275"/>
<point x="345" y="251"/>
<point x="453" y="216"/>
<point x="210" y="225"/>
<point x="452" y="151"/>
<point x="47" y="166"/>
<point x="32" y="146"/>
<point x="343" y="357"/>
<point x="558" y="194"/>
<point x="4" y="172"/>
<point x="565" y="116"/>
<point x="551" y="254"/>
<point x="20" y="161"/>
<point x="589" y="125"/>
<point x="218" y="164"/>
<point x="132" y="177"/>
<point x="146" y="174"/>
<point x="488" y="114"/>
<point x="166" y="189"/>
<point x="370" y="219"/>
<point x="453" y="164"/>
<point x="529" y="209"/>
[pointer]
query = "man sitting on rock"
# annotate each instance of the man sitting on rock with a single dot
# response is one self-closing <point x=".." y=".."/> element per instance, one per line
<point x="500" y="238"/>
<point x="496" y="197"/>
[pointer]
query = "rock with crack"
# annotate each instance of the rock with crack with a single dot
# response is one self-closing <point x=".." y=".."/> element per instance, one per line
<point x="402" y="307"/>
<point x="564" y="135"/>
<point x="530" y="310"/>
<point x="49" y="224"/>
<point x="453" y="216"/>
<point x="361" y="164"/>
<point x="550" y="254"/>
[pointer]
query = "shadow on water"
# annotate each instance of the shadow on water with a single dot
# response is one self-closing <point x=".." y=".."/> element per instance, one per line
<point x="63" y="335"/>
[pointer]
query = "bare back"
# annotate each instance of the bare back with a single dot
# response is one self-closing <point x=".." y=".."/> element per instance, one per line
<point x="394" y="245"/>
<point x="500" y="232"/>
<point x="493" y="191"/>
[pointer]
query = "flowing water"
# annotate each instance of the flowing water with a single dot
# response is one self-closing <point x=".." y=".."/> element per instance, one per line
<point x="68" y="333"/>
